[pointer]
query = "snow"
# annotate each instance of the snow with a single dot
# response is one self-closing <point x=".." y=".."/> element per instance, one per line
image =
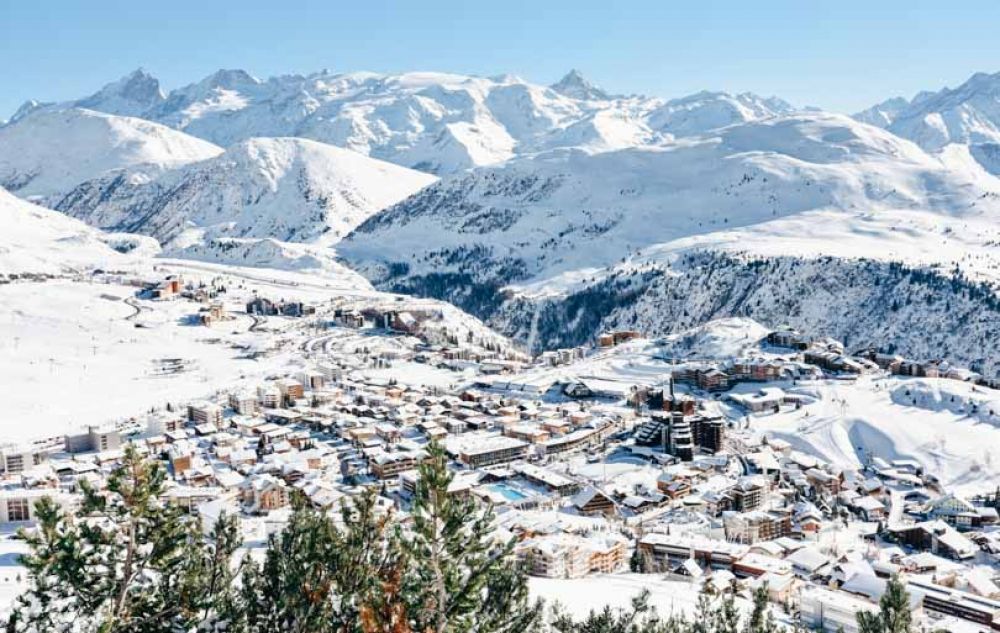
<point x="436" y="122"/>
<point x="809" y="184"/>
<point x="47" y="153"/>
<point x="581" y="595"/>
<point x="967" y="114"/>
<point x="291" y="190"/>
<point x="847" y="424"/>
<point x="37" y="240"/>
<point x="72" y="358"/>
<point x="950" y="427"/>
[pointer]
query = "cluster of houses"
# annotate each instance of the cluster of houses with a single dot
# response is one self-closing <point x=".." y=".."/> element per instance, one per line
<point x="830" y="355"/>
<point x="588" y="475"/>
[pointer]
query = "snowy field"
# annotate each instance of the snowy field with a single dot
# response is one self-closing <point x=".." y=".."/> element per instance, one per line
<point x="72" y="355"/>
<point x="875" y="418"/>
<point x="580" y="595"/>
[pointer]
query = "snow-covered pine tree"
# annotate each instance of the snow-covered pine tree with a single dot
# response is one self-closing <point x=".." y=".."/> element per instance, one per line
<point x="320" y="576"/>
<point x="124" y="561"/>
<point x="893" y="616"/>
<point x="461" y="579"/>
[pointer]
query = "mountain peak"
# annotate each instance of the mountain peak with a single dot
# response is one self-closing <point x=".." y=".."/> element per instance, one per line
<point x="575" y="85"/>
<point x="132" y="95"/>
<point x="26" y="108"/>
<point x="230" y="78"/>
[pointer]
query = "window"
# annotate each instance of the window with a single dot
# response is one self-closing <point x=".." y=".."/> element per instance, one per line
<point x="18" y="510"/>
<point x="15" y="463"/>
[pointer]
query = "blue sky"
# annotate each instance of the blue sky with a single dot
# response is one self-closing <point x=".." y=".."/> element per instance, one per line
<point x="840" y="56"/>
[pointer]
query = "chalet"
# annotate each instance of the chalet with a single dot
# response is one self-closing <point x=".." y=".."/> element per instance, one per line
<point x="712" y="379"/>
<point x="592" y="502"/>
<point x="787" y="337"/>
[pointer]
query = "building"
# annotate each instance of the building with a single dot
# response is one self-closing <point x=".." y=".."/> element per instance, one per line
<point x="17" y="459"/>
<point x="243" y="403"/>
<point x="96" y="439"/>
<point x="269" y="396"/>
<point x="555" y="556"/>
<point x="712" y="380"/>
<point x="681" y="438"/>
<point x="205" y="413"/>
<point x="551" y="480"/>
<point x="708" y="433"/>
<point x="479" y="451"/>
<point x="565" y="555"/>
<point x="937" y="537"/>
<point x="831" y="611"/>
<point x="263" y="493"/>
<point x="755" y="526"/>
<point x="787" y="337"/>
<point x="388" y="465"/>
<point x="960" y="604"/>
<point x="592" y="502"/>
<point x="749" y="493"/>
<point x="290" y="389"/>
<point x="666" y="551"/>
<point x="18" y="505"/>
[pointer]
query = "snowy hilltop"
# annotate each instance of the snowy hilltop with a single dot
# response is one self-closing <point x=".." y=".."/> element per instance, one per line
<point x="287" y="189"/>
<point x="45" y="154"/>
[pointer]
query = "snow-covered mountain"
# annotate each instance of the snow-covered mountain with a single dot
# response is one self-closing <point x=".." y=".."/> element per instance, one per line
<point x="554" y="247"/>
<point x="46" y="153"/>
<point x="36" y="240"/>
<point x="575" y="86"/>
<point x="706" y="111"/>
<point x="284" y="189"/>
<point x="883" y="114"/>
<point x="967" y="114"/>
<point x="133" y="95"/>
<point x="434" y="122"/>
<point x="566" y="213"/>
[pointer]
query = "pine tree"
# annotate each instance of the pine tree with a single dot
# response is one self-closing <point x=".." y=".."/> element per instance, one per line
<point x="212" y="578"/>
<point x="893" y="615"/>
<point x="461" y="579"/>
<point x="318" y="576"/>
<point x="761" y="620"/>
<point x="125" y="562"/>
<point x="727" y="618"/>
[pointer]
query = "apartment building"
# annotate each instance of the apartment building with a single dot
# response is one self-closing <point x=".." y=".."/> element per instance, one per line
<point x="17" y="459"/>
<point x="203" y="412"/>
<point x="95" y="439"/>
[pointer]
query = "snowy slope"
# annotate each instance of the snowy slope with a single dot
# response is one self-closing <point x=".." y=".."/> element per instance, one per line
<point x="435" y="122"/>
<point x="37" y="240"/>
<point x="47" y="153"/>
<point x="292" y="190"/>
<point x="930" y="421"/>
<point x="563" y="212"/>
